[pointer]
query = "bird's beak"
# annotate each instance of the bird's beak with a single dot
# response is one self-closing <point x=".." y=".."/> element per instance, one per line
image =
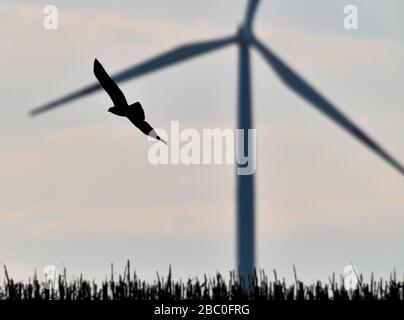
<point x="163" y="141"/>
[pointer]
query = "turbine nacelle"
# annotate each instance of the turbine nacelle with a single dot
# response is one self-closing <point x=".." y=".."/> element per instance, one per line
<point x="244" y="34"/>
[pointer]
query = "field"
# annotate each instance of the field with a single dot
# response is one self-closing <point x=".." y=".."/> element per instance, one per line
<point x="129" y="287"/>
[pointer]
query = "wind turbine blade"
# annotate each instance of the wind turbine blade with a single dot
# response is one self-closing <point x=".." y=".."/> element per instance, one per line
<point x="251" y="9"/>
<point x="163" y="60"/>
<point x="301" y="87"/>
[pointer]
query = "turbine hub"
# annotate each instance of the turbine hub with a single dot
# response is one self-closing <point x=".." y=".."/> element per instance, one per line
<point x="244" y="34"/>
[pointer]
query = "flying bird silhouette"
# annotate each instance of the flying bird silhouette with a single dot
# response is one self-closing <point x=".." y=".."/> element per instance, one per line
<point x="133" y="112"/>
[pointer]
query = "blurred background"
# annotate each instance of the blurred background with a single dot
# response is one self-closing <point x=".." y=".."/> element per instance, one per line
<point x="72" y="182"/>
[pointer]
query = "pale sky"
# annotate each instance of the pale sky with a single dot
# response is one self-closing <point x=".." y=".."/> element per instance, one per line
<point x="73" y="182"/>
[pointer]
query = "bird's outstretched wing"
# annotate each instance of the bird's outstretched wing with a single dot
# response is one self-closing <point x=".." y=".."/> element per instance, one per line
<point x="109" y="85"/>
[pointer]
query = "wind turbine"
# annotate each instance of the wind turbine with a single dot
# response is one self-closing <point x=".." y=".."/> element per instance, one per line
<point x="244" y="39"/>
